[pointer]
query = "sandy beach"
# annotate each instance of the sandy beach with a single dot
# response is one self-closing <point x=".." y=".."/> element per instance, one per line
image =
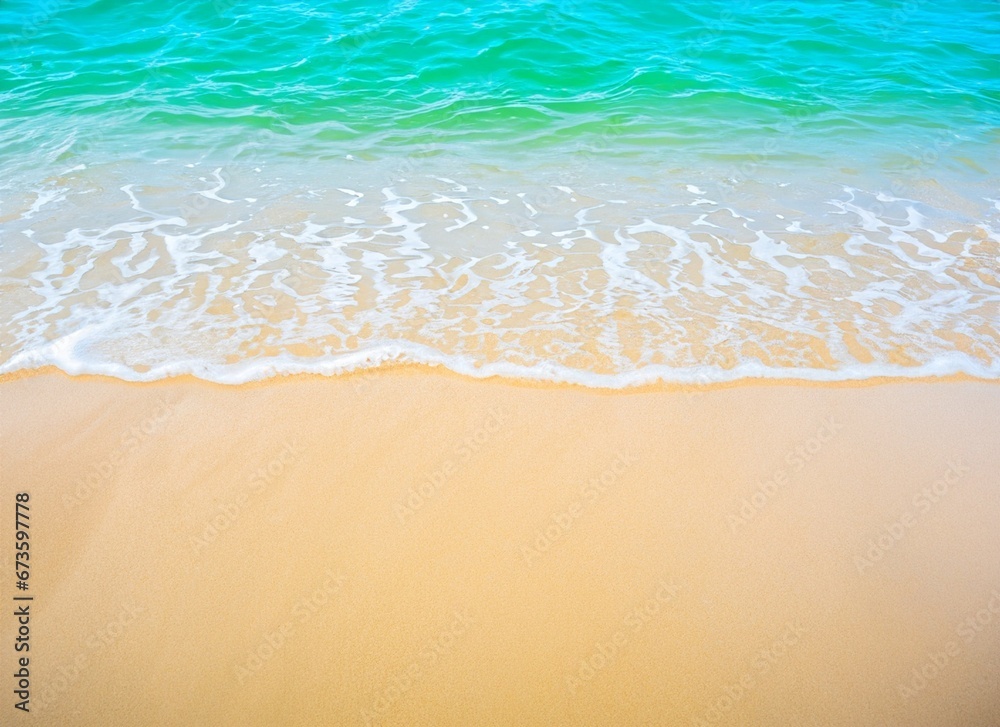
<point x="411" y="547"/>
<point x="523" y="363"/>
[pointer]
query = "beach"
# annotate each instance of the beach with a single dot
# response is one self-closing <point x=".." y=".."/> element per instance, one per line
<point x="525" y="362"/>
<point x="408" y="546"/>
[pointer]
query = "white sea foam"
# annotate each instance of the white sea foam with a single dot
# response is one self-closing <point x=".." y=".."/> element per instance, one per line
<point x="491" y="275"/>
<point x="60" y="356"/>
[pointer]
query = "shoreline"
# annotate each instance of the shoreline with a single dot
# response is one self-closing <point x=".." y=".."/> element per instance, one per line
<point x="410" y="369"/>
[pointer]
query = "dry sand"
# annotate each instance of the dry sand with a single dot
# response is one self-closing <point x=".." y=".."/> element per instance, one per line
<point x="410" y="547"/>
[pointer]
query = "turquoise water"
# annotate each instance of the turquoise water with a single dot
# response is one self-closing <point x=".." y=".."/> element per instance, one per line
<point x="716" y="77"/>
<point x="758" y="188"/>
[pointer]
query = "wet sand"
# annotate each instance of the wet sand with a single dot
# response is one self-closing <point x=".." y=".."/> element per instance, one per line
<point x="411" y="547"/>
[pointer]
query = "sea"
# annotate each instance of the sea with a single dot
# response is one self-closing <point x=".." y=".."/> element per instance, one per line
<point x="605" y="193"/>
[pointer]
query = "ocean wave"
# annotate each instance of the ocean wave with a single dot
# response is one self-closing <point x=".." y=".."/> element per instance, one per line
<point x="371" y="360"/>
<point x="215" y="270"/>
<point x="718" y="70"/>
<point x="605" y="193"/>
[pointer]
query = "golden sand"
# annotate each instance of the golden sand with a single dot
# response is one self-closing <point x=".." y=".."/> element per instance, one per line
<point x="411" y="547"/>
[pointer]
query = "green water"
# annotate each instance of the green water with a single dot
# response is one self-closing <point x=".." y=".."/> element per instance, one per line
<point x="798" y="79"/>
<point x="608" y="193"/>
